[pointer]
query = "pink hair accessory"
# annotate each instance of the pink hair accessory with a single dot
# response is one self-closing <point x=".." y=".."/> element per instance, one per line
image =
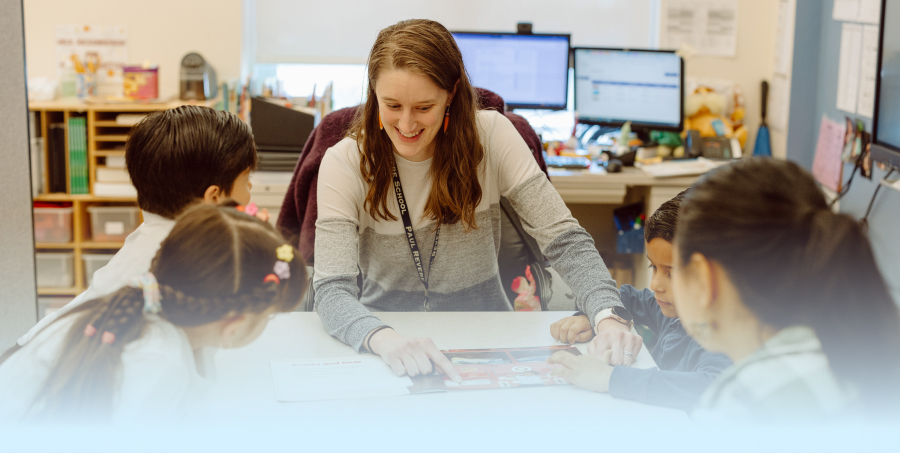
<point x="271" y="278"/>
<point x="89" y="330"/>
<point x="107" y="338"/>
<point x="282" y="270"/>
<point x="253" y="210"/>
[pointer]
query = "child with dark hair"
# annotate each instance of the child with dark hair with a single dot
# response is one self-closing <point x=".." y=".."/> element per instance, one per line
<point x="215" y="281"/>
<point x="766" y="273"/>
<point x="685" y="368"/>
<point x="175" y="158"/>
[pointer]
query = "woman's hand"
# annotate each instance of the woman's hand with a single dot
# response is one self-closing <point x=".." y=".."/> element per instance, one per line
<point x="410" y="356"/>
<point x="574" y="329"/>
<point x="616" y="338"/>
<point x="585" y="371"/>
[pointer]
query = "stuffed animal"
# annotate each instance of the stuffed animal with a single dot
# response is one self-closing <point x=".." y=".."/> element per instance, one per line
<point x="704" y="111"/>
<point x="525" y="286"/>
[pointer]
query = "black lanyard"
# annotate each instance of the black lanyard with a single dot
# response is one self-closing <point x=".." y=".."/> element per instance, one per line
<point x="411" y="237"/>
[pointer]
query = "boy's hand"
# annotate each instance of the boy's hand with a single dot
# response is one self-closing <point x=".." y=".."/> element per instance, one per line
<point x="574" y="329"/>
<point x="616" y="338"/>
<point x="585" y="371"/>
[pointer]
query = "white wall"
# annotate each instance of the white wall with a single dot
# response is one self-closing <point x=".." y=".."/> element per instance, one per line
<point x="753" y="63"/>
<point x="306" y="31"/>
<point x="161" y="31"/>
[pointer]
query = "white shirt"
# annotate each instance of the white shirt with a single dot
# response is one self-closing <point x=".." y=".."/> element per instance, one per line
<point x="157" y="378"/>
<point x="132" y="259"/>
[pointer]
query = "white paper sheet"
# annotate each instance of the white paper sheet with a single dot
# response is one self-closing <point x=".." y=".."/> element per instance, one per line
<point x="870" y="11"/>
<point x="336" y="378"/>
<point x="849" y="67"/>
<point x="868" y="71"/>
<point x="779" y="102"/>
<point x="845" y="10"/>
<point x="865" y="11"/>
<point x="707" y="26"/>
<point x="784" y="36"/>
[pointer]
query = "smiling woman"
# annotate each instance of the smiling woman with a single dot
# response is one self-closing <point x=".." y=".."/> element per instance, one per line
<point x="431" y="243"/>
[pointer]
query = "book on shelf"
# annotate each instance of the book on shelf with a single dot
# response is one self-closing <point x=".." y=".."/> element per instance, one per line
<point x="114" y="189"/>
<point x="106" y="174"/>
<point x="78" y="165"/>
<point x="56" y="158"/>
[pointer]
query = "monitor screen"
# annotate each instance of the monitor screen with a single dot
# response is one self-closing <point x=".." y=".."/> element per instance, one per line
<point x="613" y="86"/>
<point x="527" y="71"/>
<point x="886" y="124"/>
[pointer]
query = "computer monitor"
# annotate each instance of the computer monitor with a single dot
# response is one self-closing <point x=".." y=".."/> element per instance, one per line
<point x="613" y="86"/>
<point x="527" y="71"/>
<point x="886" y="123"/>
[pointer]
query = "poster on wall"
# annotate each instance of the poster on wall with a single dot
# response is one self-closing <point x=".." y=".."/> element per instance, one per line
<point x="709" y="27"/>
<point x="91" y="58"/>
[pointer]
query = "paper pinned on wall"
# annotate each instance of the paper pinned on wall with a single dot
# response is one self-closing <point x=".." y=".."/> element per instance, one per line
<point x="849" y="67"/>
<point x="784" y="36"/>
<point x="827" y="165"/>
<point x="845" y="10"/>
<point x="709" y="27"/>
<point x="109" y="44"/>
<point x="870" y="11"/>
<point x="865" y="11"/>
<point x="868" y="71"/>
<point x="779" y="102"/>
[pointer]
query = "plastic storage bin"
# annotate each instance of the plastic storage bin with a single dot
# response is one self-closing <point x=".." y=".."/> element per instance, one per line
<point x="48" y="305"/>
<point x="92" y="262"/>
<point x="53" y="225"/>
<point x="113" y="223"/>
<point x="55" y="270"/>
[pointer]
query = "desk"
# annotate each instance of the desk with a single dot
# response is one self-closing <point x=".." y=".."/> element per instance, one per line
<point x="595" y="186"/>
<point x="245" y="377"/>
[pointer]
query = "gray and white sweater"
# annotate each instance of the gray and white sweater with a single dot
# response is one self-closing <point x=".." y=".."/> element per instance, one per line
<point x="465" y="275"/>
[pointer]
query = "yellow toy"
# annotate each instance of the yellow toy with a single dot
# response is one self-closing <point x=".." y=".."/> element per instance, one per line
<point x="704" y="109"/>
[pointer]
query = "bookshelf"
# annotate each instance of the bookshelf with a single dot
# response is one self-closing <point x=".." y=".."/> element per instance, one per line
<point x="105" y="138"/>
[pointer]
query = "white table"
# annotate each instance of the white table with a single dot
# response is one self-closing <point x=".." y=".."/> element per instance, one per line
<point x="245" y="378"/>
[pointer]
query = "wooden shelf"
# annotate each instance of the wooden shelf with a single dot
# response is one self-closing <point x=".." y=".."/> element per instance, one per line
<point x="110" y="138"/>
<point x="101" y="245"/>
<point x="68" y="197"/>
<point x="58" y="291"/>
<point x="108" y="153"/>
<point x="109" y="123"/>
<point x="54" y="245"/>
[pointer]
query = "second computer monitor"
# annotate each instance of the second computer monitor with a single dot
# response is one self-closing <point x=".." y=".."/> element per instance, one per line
<point x="613" y="86"/>
<point x="527" y="71"/>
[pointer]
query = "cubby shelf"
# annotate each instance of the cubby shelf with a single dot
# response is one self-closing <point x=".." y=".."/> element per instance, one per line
<point x="105" y="138"/>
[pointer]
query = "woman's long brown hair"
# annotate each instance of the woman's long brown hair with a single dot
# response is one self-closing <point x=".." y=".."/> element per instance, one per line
<point x="211" y="266"/>
<point x="427" y="48"/>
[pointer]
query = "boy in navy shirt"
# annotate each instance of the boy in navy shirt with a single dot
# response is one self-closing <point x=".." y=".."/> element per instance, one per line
<point x="685" y="368"/>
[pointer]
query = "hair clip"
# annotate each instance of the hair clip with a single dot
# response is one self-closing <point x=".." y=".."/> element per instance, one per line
<point x="108" y="338"/>
<point x="285" y="253"/>
<point x="252" y="209"/>
<point x="90" y="330"/>
<point x="271" y="278"/>
<point x="282" y="270"/>
<point x="148" y="283"/>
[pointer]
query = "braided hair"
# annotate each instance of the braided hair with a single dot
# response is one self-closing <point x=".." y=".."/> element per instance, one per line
<point x="214" y="264"/>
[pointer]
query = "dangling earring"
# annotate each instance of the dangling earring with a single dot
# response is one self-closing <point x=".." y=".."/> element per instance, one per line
<point x="379" y="122"/>
<point x="446" y="118"/>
